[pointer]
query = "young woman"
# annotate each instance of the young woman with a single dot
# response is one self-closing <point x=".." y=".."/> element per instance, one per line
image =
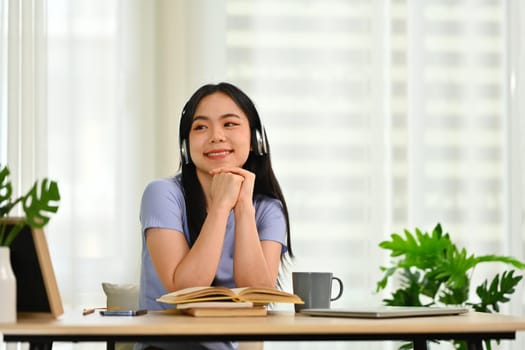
<point x="223" y="220"/>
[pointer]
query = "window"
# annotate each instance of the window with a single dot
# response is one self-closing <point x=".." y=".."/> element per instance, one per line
<point x="375" y="125"/>
<point x="3" y="82"/>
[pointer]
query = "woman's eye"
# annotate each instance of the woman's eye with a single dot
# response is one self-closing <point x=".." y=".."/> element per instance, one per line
<point x="230" y="124"/>
<point x="199" y="127"/>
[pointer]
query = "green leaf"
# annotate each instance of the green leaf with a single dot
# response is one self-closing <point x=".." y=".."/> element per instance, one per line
<point x="384" y="281"/>
<point x="502" y="259"/>
<point x="437" y="232"/>
<point x="421" y="252"/>
<point x="15" y="230"/>
<point x="459" y="344"/>
<point x="408" y="294"/>
<point x="430" y="284"/>
<point x="6" y="191"/>
<point x="36" y="207"/>
<point x="455" y="267"/>
<point x="498" y="291"/>
<point x="454" y="296"/>
<point x="406" y="346"/>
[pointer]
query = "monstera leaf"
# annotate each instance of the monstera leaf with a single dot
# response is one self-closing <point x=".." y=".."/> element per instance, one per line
<point x="38" y="203"/>
<point x="36" y="207"/>
<point x="6" y="191"/>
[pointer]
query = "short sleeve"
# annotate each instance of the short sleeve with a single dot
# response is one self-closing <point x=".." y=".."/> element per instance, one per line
<point x="162" y="205"/>
<point x="270" y="220"/>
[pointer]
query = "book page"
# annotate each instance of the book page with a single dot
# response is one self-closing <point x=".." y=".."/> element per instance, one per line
<point x="194" y="292"/>
<point x="217" y="304"/>
<point x="267" y="295"/>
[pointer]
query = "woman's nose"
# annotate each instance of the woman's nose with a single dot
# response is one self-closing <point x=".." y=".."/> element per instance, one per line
<point x="217" y="136"/>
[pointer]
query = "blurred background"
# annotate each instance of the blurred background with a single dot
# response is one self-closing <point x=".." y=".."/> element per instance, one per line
<point x="381" y="115"/>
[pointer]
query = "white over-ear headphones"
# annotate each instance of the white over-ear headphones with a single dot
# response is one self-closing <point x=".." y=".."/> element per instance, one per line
<point x="261" y="145"/>
<point x="184" y="155"/>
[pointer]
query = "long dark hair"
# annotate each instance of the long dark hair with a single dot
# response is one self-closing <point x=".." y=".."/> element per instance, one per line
<point x="260" y="164"/>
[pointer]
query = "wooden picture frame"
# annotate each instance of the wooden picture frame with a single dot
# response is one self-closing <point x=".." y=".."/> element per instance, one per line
<point x="36" y="286"/>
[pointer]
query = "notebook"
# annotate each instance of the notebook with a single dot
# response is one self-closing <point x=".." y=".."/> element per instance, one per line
<point x="386" y="311"/>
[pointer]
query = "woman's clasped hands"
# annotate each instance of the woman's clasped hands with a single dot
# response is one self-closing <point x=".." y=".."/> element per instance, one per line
<point x="231" y="187"/>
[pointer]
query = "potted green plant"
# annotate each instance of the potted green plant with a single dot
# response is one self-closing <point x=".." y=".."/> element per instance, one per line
<point x="38" y="203"/>
<point x="433" y="271"/>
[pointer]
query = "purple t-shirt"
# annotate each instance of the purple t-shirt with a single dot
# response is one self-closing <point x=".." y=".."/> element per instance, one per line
<point x="163" y="206"/>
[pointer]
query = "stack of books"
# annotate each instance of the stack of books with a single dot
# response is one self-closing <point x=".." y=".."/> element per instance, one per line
<point x="222" y="301"/>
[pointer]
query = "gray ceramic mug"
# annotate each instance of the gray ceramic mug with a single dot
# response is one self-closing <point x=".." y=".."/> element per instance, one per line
<point x="315" y="288"/>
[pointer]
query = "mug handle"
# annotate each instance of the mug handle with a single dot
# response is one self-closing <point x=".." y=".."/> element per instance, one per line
<point x="340" y="288"/>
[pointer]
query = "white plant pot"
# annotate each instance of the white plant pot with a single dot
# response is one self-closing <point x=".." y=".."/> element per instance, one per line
<point x="7" y="288"/>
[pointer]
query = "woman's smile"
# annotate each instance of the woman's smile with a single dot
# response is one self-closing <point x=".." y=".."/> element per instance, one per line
<point x="218" y="154"/>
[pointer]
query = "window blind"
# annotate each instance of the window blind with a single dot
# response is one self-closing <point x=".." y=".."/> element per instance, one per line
<point x="315" y="71"/>
<point x="381" y="116"/>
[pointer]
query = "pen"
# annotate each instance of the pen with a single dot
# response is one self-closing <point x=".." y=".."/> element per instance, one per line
<point x="89" y="311"/>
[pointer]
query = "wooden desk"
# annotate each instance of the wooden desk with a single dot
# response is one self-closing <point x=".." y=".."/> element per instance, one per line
<point x="280" y="326"/>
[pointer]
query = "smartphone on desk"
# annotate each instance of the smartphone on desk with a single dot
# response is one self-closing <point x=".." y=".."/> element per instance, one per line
<point x="123" y="312"/>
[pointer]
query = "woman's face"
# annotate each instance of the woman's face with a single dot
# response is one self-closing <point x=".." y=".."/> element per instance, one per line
<point x="220" y="134"/>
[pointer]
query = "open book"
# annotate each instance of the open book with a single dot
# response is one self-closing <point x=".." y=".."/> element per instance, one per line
<point x="255" y="295"/>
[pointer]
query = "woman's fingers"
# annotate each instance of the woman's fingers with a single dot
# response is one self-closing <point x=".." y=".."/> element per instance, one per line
<point x="244" y="191"/>
<point x="225" y="188"/>
<point x="233" y="170"/>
